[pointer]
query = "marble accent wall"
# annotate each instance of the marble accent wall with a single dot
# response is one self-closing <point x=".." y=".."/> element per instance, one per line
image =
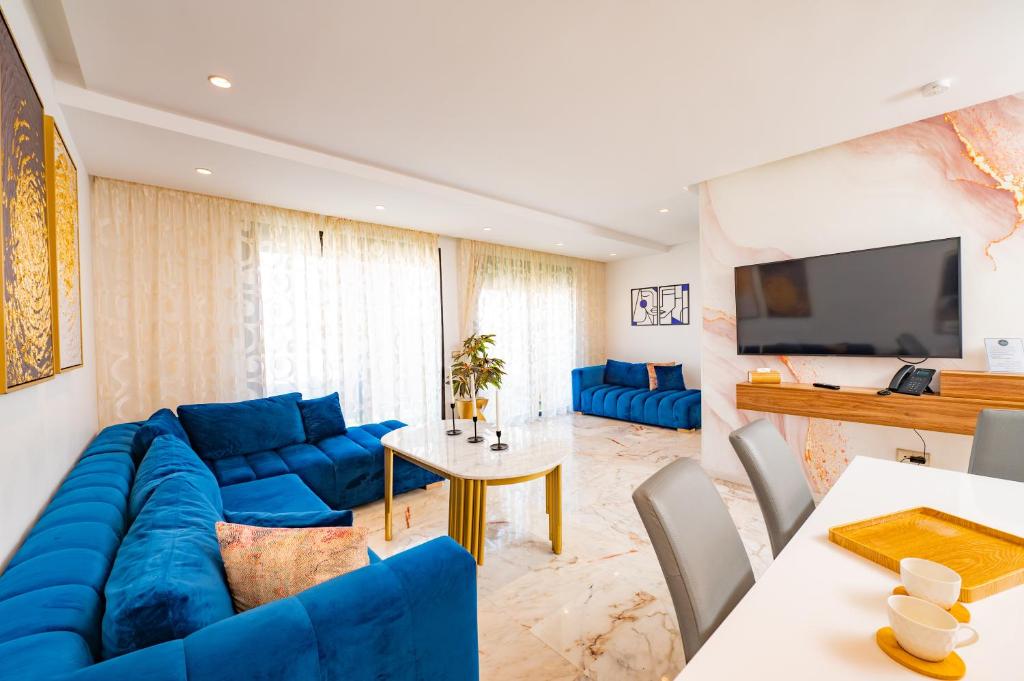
<point x="960" y="174"/>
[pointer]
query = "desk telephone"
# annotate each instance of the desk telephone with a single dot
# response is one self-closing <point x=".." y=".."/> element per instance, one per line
<point x="911" y="380"/>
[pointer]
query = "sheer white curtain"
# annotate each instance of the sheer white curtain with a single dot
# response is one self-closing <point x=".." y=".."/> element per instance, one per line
<point x="206" y="299"/>
<point x="352" y="307"/>
<point x="547" y="313"/>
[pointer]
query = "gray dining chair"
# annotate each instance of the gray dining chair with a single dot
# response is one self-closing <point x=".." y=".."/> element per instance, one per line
<point x="700" y="551"/>
<point x="777" y="478"/>
<point x="998" y="449"/>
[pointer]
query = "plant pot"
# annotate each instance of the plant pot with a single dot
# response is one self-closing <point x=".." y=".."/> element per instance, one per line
<point x="464" y="408"/>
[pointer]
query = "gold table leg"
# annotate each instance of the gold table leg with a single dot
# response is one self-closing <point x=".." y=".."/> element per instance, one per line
<point x="467" y="515"/>
<point x="554" y="507"/>
<point x="389" y="467"/>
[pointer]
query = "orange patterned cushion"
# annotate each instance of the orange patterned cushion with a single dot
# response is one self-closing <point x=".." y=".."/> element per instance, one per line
<point x="264" y="564"/>
<point x="652" y="378"/>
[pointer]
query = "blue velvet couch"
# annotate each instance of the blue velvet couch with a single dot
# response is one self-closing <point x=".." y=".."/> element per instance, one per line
<point x="131" y="526"/>
<point x="621" y="390"/>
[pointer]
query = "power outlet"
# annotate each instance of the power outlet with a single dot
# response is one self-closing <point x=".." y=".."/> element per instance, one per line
<point x="907" y="456"/>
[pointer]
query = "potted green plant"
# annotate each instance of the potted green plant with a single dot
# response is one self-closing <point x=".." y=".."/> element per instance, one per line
<point x="474" y="360"/>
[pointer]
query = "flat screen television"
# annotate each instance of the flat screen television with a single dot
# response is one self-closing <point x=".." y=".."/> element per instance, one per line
<point x="897" y="301"/>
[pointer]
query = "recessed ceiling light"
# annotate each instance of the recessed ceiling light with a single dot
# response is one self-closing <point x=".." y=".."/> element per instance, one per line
<point x="559" y="244"/>
<point x="379" y="207"/>
<point x="487" y="229"/>
<point x="219" y="81"/>
<point x="613" y="254"/>
<point x="204" y="171"/>
<point x="663" y="210"/>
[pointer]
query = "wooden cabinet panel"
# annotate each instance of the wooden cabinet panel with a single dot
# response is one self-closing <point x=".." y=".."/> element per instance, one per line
<point x="982" y="385"/>
<point x="940" y="413"/>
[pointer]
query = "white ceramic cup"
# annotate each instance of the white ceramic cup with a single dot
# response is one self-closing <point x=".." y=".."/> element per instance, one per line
<point x="931" y="581"/>
<point x="925" y="630"/>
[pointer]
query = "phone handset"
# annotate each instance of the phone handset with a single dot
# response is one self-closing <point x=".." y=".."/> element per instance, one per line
<point x="910" y="380"/>
<point x="900" y="376"/>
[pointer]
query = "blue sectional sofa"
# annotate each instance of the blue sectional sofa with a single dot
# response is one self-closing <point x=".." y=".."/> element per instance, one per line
<point x="121" y="576"/>
<point x="621" y="390"/>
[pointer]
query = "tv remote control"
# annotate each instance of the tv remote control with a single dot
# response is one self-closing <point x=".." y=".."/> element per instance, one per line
<point x="827" y="386"/>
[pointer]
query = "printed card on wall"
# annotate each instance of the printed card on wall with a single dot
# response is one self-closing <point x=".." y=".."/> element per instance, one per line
<point x="27" y="302"/>
<point x="62" y="216"/>
<point x="644" y="306"/>
<point x="674" y="305"/>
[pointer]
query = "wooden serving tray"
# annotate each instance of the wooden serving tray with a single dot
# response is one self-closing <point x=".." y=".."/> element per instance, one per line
<point x="988" y="560"/>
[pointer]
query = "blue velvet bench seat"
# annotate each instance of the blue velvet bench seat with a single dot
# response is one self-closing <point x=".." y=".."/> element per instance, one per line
<point x="411" y="617"/>
<point x="593" y="393"/>
<point x="277" y="494"/>
<point x="345" y="470"/>
<point x="262" y="439"/>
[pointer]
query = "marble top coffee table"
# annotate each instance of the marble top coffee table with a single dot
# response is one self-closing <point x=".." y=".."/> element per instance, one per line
<point x="535" y="449"/>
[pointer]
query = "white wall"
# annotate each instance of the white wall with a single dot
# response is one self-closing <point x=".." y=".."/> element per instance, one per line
<point x="44" y="428"/>
<point x="913" y="183"/>
<point x="631" y="343"/>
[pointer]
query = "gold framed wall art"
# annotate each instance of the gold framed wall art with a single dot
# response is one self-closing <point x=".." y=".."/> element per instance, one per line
<point x="26" y="306"/>
<point x="65" y="265"/>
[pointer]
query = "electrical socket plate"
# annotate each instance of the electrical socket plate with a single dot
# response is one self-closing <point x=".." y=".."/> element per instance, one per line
<point x="903" y="456"/>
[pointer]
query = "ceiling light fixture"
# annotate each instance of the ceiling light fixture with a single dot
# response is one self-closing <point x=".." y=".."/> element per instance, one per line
<point x="487" y="229"/>
<point x="219" y="81"/>
<point x="559" y="244"/>
<point x="379" y="207"/>
<point x="663" y="210"/>
<point x="204" y="171"/>
<point x="613" y="254"/>
<point x="936" y="87"/>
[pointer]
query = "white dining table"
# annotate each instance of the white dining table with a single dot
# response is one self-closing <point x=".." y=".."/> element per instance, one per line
<point x="815" y="611"/>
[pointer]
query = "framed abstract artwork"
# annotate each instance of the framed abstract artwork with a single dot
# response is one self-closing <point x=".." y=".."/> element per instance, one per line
<point x="644" y="306"/>
<point x="62" y="222"/>
<point x="26" y="306"/>
<point x="674" y="305"/>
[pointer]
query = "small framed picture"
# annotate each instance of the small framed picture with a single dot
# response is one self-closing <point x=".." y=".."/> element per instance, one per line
<point x="674" y="305"/>
<point x="644" y="306"/>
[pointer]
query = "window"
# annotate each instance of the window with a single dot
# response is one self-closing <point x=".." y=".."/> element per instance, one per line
<point x="352" y="307"/>
<point x="547" y="314"/>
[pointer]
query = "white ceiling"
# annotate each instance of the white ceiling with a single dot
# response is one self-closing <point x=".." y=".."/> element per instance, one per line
<point x="570" y="121"/>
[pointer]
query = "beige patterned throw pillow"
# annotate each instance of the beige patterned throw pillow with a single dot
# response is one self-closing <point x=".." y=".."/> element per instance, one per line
<point x="652" y="377"/>
<point x="264" y="564"/>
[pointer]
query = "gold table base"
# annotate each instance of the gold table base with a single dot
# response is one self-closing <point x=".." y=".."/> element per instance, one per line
<point x="467" y="504"/>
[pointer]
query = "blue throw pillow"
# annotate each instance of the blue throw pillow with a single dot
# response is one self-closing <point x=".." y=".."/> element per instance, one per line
<point x="670" y="377"/>
<point x="168" y="456"/>
<point x="220" y="430"/>
<point x="322" y="417"/>
<point x="627" y="374"/>
<point x="162" y="422"/>
<point x="637" y="376"/>
<point x="168" y="579"/>
<point x="616" y="372"/>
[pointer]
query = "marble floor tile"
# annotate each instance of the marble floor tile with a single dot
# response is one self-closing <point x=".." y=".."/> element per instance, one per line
<point x="510" y="652"/>
<point x="601" y="609"/>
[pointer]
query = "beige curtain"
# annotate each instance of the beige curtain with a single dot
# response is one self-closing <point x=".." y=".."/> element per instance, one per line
<point x="547" y="312"/>
<point x="200" y="299"/>
<point x="172" y="272"/>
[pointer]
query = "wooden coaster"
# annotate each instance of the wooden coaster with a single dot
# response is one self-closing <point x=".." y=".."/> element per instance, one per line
<point x="952" y="667"/>
<point x="958" y="611"/>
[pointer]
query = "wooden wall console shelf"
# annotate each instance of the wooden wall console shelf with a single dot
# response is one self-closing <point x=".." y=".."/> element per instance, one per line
<point x="955" y="410"/>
